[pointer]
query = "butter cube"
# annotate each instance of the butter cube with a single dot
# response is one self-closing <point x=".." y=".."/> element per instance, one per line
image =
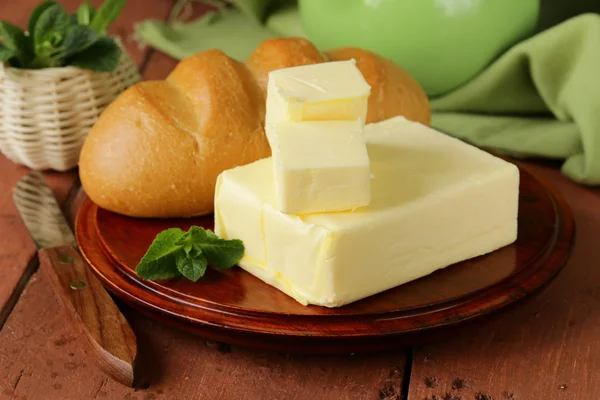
<point x="317" y="92"/>
<point x="320" y="166"/>
<point x="435" y="201"/>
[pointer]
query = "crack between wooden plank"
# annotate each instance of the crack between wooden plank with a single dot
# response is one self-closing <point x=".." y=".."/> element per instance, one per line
<point x="30" y="269"/>
<point x="17" y="380"/>
<point x="410" y="356"/>
<point x="102" y="385"/>
<point x="146" y="61"/>
<point x="395" y="385"/>
<point x="70" y="214"/>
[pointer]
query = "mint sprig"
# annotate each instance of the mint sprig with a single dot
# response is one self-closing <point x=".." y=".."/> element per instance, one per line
<point x="55" y="39"/>
<point x="175" y="252"/>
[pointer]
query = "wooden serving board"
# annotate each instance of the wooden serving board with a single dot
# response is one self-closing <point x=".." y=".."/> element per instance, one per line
<point x="235" y="307"/>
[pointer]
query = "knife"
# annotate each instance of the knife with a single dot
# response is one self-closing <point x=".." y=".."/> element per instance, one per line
<point x="96" y="317"/>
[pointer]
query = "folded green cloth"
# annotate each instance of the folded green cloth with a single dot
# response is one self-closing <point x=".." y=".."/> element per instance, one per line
<point x="541" y="98"/>
<point x="236" y="31"/>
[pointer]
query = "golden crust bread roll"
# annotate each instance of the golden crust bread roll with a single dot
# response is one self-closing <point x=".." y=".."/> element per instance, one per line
<point x="157" y="150"/>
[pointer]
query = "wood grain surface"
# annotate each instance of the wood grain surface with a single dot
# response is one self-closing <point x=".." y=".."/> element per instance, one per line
<point x="41" y="360"/>
<point x="17" y="250"/>
<point x="99" y="322"/>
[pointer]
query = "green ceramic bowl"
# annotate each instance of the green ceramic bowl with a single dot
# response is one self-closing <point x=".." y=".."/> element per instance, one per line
<point x="442" y="43"/>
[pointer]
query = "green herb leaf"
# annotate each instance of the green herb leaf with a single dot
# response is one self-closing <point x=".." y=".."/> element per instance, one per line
<point x="220" y="253"/>
<point x="192" y="268"/>
<point x="6" y="54"/>
<point x="192" y="250"/>
<point x="45" y="62"/>
<point x="12" y="36"/>
<point x="164" y="268"/>
<point x="175" y="252"/>
<point x="50" y="30"/>
<point x="77" y="39"/>
<point x="14" y="39"/>
<point x="56" y="39"/>
<point x="107" y="14"/>
<point x="35" y="15"/>
<point x="85" y="13"/>
<point x="102" y="56"/>
<point x="159" y="260"/>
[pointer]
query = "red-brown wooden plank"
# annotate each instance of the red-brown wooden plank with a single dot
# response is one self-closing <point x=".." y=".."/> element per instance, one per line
<point x="546" y="348"/>
<point x="159" y="66"/>
<point x="16" y="247"/>
<point x="40" y="358"/>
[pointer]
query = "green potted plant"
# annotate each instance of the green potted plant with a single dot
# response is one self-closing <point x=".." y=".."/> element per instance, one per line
<point x="56" y="78"/>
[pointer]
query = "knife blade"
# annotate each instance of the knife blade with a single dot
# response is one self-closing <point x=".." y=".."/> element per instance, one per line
<point x="96" y="317"/>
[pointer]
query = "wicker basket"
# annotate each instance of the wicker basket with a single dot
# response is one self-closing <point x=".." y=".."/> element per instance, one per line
<point x="46" y="114"/>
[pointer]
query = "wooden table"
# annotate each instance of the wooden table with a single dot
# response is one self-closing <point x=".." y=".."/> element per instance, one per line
<point x="546" y="348"/>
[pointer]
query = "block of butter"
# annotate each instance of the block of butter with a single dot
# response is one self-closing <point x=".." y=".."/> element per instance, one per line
<point x="435" y="201"/>
<point x="317" y="92"/>
<point x="320" y="166"/>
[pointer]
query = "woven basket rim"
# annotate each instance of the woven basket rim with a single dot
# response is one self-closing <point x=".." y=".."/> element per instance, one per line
<point x="67" y="68"/>
<point x="51" y="69"/>
<point x="46" y="113"/>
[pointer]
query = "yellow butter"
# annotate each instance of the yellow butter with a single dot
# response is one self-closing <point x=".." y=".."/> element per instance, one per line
<point x="320" y="166"/>
<point x="316" y="92"/>
<point x="435" y="201"/>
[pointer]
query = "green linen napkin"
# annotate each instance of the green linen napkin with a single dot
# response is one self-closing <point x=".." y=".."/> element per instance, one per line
<point x="541" y="98"/>
<point x="236" y="31"/>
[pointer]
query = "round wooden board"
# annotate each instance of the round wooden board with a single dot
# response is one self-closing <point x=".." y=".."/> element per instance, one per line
<point x="235" y="307"/>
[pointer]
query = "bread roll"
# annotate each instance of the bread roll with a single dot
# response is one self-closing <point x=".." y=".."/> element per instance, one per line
<point x="157" y="150"/>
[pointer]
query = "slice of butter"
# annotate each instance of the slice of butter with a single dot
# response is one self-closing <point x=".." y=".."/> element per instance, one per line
<point x="320" y="166"/>
<point x="435" y="201"/>
<point x="317" y="92"/>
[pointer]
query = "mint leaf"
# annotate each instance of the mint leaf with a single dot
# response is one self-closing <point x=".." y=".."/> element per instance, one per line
<point x="50" y="30"/>
<point x="176" y="252"/>
<point x="164" y="268"/>
<point x="191" y="268"/>
<point x="163" y="244"/>
<point x="103" y="56"/>
<point x="6" y="54"/>
<point x="192" y="250"/>
<point x="85" y="13"/>
<point x="12" y="37"/>
<point x="159" y="261"/>
<point x="184" y="241"/>
<point x="219" y="253"/>
<point x="44" y="62"/>
<point x="77" y="39"/>
<point x="107" y="14"/>
<point x="35" y="15"/>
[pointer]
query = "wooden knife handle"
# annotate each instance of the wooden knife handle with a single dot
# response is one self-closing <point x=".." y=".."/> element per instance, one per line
<point x="93" y="312"/>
